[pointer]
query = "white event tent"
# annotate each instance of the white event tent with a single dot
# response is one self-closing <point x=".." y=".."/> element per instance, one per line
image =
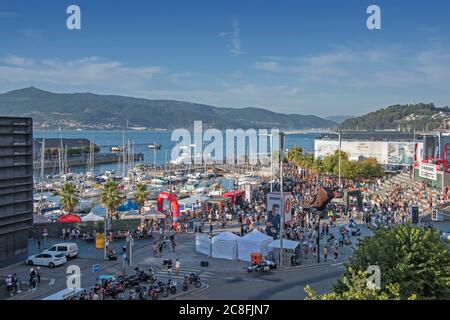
<point x="202" y="243"/>
<point x="91" y="217"/>
<point x="254" y="241"/>
<point x="225" y="246"/>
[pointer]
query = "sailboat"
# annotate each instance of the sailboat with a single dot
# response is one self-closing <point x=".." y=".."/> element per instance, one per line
<point x="154" y="146"/>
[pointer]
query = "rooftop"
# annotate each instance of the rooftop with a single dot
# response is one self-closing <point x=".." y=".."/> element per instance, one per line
<point x="373" y="136"/>
<point x="55" y="143"/>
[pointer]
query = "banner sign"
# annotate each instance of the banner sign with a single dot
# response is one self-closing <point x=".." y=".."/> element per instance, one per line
<point x="274" y="199"/>
<point x="428" y="171"/>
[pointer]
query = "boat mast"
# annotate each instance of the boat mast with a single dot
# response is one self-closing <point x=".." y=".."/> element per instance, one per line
<point x="42" y="167"/>
<point x="60" y="150"/>
<point x="154" y="160"/>
<point x="123" y="153"/>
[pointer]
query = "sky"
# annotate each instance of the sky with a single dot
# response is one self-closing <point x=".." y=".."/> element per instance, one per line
<point x="290" y="56"/>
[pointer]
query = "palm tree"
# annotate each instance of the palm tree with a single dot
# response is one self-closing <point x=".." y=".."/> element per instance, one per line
<point x="69" y="197"/>
<point x="111" y="197"/>
<point x="141" y="195"/>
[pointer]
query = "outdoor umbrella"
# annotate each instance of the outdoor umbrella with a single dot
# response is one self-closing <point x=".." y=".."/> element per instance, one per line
<point x="69" y="218"/>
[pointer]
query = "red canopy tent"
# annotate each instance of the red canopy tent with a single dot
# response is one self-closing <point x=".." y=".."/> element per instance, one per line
<point x="69" y="218"/>
<point x="234" y="195"/>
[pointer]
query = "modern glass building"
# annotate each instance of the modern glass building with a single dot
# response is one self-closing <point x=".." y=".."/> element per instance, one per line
<point x="16" y="187"/>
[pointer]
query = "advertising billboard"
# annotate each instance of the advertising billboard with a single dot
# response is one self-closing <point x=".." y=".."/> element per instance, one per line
<point x="401" y="153"/>
<point x="274" y="206"/>
<point x="386" y="153"/>
<point x="428" y="171"/>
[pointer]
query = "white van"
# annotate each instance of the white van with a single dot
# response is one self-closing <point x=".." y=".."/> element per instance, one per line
<point x="70" y="249"/>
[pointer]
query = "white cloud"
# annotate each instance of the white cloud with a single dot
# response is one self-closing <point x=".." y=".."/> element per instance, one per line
<point x="81" y="72"/>
<point x="374" y="68"/>
<point x="234" y="46"/>
<point x="271" y="66"/>
<point x="34" y="34"/>
<point x="177" y="78"/>
<point x="18" y="61"/>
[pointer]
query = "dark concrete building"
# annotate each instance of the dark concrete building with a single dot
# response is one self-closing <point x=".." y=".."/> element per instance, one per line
<point x="16" y="187"/>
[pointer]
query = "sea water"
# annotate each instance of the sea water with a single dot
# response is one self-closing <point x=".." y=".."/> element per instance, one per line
<point x="141" y="139"/>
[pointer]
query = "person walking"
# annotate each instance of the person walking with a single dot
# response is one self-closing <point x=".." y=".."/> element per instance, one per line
<point x="38" y="275"/>
<point x="39" y="244"/>
<point x="173" y="245"/>
<point x="9" y="284"/>
<point x="325" y="253"/>
<point x="33" y="278"/>
<point x="336" y="252"/>
<point x="169" y="267"/>
<point x="177" y="266"/>
<point x="155" y="249"/>
<point x="161" y="245"/>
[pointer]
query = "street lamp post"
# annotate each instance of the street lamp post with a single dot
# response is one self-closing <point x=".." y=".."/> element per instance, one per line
<point x="271" y="157"/>
<point x="282" y="200"/>
<point x="340" y="145"/>
<point x="318" y="237"/>
<point x="282" y="213"/>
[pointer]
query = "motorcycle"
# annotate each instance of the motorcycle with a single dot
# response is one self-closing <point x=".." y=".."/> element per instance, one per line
<point x="171" y="286"/>
<point x="153" y="292"/>
<point x="261" y="267"/>
<point x="146" y="276"/>
<point x="195" y="279"/>
<point x="142" y="292"/>
<point x="163" y="289"/>
<point x="186" y="283"/>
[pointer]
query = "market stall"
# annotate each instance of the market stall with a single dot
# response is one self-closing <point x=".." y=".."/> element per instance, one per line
<point x="291" y="253"/>
<point x="218" y="204"/>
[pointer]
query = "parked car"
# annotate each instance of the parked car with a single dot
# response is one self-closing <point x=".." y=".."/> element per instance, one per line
<point x="48" y="259"/>
<point x="70" y="249"/>
<point x="446" y="235"/>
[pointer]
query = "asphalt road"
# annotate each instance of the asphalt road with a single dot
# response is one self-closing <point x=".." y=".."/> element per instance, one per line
<point x="274" y="285"/>
<point x="226" y="279"/>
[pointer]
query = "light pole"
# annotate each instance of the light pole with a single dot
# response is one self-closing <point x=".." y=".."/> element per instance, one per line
<point x="340" y="144"/>
<point x="282" y="213"/>
<point x="318" y="237"/>
<point x="282" y="199"/>
<point x="271" y="157"/>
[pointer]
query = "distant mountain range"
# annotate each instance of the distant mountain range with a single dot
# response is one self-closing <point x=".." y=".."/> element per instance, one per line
<point x="87" y="110"/>
<point x="339" y="119"/>
<point x="410" y="117"/>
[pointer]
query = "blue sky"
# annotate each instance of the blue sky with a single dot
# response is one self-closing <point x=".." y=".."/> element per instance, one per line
<point x="307" y="57"/>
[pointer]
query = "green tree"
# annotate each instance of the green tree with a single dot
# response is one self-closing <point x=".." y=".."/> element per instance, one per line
<point x="357" y="289"/>
<point x="69" y="198"/>
<point x="111" y="197"/>
<point x="141" y="195"/>
<point x="331" y="162"/>
<point x="370" y="168"/>
<point x="295" y="154"/>
<point x="350" y="169"/>
<point x="414" y="263"/>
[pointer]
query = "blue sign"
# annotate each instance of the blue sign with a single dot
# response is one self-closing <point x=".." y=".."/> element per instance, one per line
<point x="95" y="268"/>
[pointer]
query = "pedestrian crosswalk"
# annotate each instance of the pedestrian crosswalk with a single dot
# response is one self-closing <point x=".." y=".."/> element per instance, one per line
<point x="164" y="274"/>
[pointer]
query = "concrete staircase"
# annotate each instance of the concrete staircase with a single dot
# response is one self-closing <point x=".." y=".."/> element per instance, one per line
<point x="404" y="180"/>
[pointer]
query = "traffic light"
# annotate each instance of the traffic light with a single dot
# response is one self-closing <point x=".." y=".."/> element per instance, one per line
<point x="124" y="249"/>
